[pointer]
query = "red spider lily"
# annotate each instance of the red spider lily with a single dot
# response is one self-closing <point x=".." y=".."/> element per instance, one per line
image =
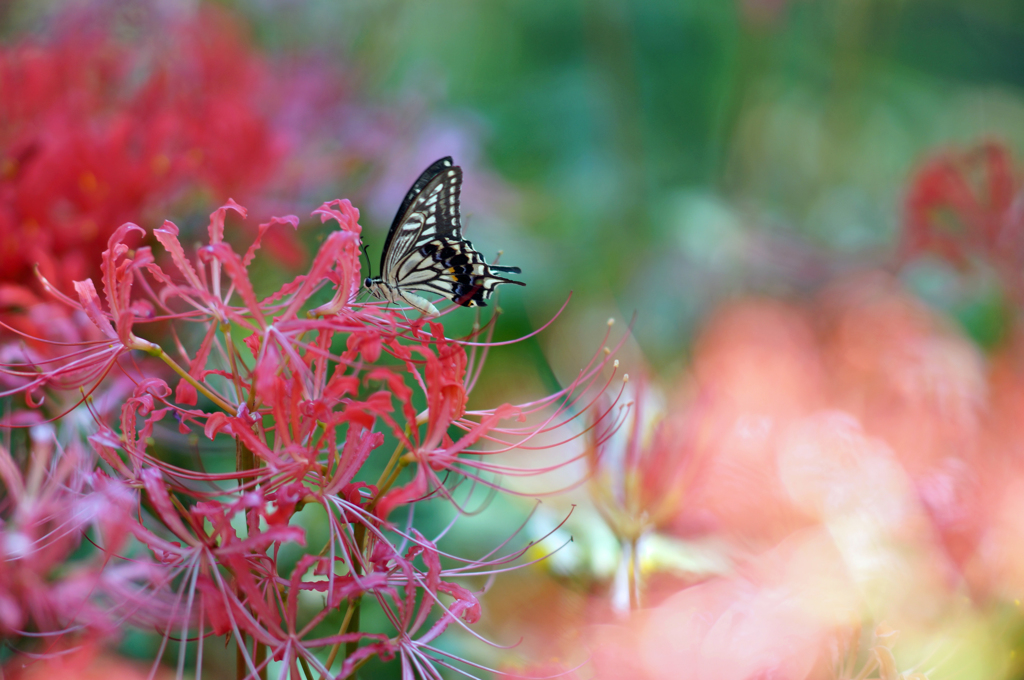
<point x="702" y="464"/>
<point x="85" y="146"/>
<point x="46" y="333"/>
<point x="641" y="467"/>
<point x="301" y="393"/>
<point x="47" y="503"/>
<point x="97" y="129"/>
<point x="964" y="205"/>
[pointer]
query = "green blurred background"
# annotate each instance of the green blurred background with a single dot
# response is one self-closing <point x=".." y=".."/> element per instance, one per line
<point x="660" y="156"/>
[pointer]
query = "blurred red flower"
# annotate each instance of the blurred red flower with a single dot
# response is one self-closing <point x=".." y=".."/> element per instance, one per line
<point x="95" y="131"/>
<point x="823" y="451"/>
<point x="966" y="206"/>
<point x="87" y="663"/>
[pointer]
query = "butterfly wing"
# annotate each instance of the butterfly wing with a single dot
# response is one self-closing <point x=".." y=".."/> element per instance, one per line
<point x="432" y="213"/>
<point x="425" y="249"/>
<point x="430" y="173"/>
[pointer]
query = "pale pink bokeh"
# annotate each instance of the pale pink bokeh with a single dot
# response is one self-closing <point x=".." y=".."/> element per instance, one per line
<point x="86" y="663"/>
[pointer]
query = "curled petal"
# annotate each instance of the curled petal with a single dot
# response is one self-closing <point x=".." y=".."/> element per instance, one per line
<point x="290" y="220"/>
<point x="215" y="423"/>
<point x="91" y="304"/>
<point x="217" y="220"/>
<point x="167" y="235"/>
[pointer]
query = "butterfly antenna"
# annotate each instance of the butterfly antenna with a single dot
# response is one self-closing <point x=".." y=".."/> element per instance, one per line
<point x="369" y="267"/>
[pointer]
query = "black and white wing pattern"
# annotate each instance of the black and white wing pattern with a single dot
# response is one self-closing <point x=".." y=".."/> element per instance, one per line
<point x="425" y="250"/>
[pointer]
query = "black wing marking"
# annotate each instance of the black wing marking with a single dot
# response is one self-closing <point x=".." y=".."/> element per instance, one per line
<point x="425" y="250"/>
<point x="430" y="173"/>
<point x="453" y="269"/>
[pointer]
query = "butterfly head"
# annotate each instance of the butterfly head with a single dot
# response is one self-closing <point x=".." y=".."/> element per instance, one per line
<point x="375" y="286"/>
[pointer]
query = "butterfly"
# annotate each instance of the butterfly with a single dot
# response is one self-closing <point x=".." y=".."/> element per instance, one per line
<point x="425" y="250"/>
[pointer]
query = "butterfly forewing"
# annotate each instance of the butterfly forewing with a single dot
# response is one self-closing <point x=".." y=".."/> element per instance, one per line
<point x="432" y="215"/>
<point x="425" y="250"/>
<point x="430" y="173"/>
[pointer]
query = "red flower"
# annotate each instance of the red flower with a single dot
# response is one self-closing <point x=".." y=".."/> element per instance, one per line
<point x="963" y="205"/>
<point x="97" y="130"/>
<point x="304" y="418"/>
<point x="84" y="146"/>
<point x="47" y="507"/>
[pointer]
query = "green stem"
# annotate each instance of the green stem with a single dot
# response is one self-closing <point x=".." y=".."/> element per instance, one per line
<point x="387" y="479"/>
<point x="158" y="351"/>
<point x="305" y="668"/>
<point x="259" y="657"/>
<point x="352" y="645"/>
<point x="634" y="568"/>
<point x="387" y="468"/>
<point x="341" y="631"/>
<point x="240" y="657"/>
<point x="233" y="360"/>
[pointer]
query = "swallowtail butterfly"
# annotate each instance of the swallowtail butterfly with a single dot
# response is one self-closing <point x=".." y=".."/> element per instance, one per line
<point x="425" y="251"/>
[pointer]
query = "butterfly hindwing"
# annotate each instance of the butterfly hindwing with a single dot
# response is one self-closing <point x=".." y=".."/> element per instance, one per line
<point x="453" y="269"/>
<point x="425" y="251"/>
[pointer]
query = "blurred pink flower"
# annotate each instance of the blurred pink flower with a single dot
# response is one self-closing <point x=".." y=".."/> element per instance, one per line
<point x="776" y="617"/>
<point x="50" y="498"/>
<point x="756" y="368"/>
<point x="763" y="12"/>
<point x="87" y="663"/>
<point x="920" y="387"/>
<point x="902" y="384"/>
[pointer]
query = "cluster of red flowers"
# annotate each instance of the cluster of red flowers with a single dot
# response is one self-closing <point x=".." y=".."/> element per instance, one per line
<point x="97" y="129"/>
<point x="299" y="394"/>
<point x="967" y="207"/>
<point x="94" y="132"/>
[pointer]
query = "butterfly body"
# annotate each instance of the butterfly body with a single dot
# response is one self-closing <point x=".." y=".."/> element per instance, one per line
<point x="425" y="251"/>
<point x="395" y="295"/>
